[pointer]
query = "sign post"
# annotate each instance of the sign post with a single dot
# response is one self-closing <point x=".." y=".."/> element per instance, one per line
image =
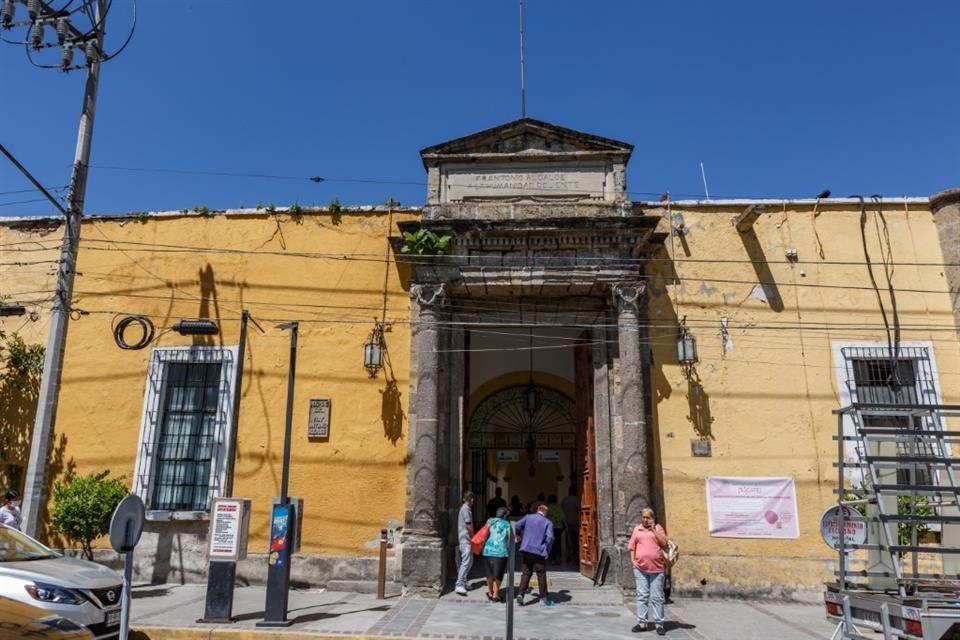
<point x="126" y="527"/>
<point x="283" y="533"/>
<point x="511" y="563"/>
<point x="229" y="527"/>
<point x="283" y="518"/>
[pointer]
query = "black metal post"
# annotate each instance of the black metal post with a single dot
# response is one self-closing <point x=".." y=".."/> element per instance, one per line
<point x="511" y="562"/>
<point x="284" y="483"/>
<point x="283" y="523"/>
<point x="235" y="418"/>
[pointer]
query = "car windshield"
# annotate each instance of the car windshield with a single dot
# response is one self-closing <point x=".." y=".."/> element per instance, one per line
<point x="17" y="547"/>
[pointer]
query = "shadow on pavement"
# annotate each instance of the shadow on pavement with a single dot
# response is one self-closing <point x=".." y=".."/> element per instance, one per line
<point x="320" y="615"/>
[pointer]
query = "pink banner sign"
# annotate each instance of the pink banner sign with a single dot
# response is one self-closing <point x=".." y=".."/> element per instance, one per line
<point x="752" y="508"/>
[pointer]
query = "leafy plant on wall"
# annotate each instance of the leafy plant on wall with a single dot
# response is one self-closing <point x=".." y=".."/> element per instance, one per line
<point x="424" y="242"/>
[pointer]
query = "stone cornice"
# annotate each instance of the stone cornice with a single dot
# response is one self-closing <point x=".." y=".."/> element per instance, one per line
<point x="944" y="199"/>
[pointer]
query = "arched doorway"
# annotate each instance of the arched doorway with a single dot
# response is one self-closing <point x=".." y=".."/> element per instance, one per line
<point x="523" y="440"/>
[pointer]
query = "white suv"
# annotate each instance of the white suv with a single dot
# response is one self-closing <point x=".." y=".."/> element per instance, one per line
<point x="84" y="592"/>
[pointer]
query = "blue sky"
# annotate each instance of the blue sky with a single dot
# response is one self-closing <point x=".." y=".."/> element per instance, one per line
<point x="777" y="99"/>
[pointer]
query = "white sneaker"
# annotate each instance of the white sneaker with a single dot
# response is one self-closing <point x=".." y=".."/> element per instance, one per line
<point x="462" y="591"/>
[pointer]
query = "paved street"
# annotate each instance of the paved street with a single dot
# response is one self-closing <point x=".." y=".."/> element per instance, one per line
<point x="583" y="612"/>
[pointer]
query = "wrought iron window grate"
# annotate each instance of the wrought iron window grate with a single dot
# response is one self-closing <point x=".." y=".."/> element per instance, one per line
<point x="185" y="426"/>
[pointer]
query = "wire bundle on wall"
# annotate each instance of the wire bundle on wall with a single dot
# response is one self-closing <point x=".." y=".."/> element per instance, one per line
<point x="146" y="326"/>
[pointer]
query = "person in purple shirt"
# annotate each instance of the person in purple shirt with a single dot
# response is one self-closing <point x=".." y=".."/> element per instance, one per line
<point x="536" y="531"/>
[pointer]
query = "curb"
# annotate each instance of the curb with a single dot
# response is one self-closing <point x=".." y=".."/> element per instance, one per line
<point x="194" y="633"/>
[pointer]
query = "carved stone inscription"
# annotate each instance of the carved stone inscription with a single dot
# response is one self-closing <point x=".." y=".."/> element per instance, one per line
<point x="577" y="182"/>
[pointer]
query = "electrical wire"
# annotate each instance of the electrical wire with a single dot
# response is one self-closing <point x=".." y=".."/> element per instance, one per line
<point x="10" y="204"/>
<point x="120" y="326"/>
<point x="152" y="247"/>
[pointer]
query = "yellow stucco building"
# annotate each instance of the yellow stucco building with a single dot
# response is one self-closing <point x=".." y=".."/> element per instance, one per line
<point x="537" y="354"/>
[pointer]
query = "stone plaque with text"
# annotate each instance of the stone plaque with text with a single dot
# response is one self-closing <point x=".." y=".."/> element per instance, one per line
<point x="318" y="425"/>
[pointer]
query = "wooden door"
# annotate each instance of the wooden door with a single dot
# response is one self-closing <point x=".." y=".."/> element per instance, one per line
<point x="587" y="486"/>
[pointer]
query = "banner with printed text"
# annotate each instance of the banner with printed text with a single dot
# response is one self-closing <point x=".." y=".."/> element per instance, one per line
<point x="752" y="507"/>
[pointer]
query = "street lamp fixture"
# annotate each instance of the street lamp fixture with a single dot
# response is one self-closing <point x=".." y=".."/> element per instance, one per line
<point x="373" y="350"/>
<point x="686" y="347"/>
<point x="12" y="310"/>
<point x="198" y="327"/>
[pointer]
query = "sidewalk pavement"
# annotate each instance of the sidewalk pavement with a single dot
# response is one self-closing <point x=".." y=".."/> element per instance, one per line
<point x="583" y="612"/>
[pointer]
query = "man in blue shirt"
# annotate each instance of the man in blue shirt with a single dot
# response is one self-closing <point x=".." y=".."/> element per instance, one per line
<point x="537" y="541"/>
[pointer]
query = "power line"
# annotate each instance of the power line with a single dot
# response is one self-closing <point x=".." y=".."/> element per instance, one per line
<point x="132" y="245"/>
<point x="423" y="183"/>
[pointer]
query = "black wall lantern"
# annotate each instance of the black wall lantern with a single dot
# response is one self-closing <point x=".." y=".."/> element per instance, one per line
<point x="373" y="350"/>
<point x="531" y="399"/>
<point x="686" y="346"/>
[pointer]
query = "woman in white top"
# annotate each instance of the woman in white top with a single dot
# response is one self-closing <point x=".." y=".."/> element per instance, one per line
<point x="10" y="511"/>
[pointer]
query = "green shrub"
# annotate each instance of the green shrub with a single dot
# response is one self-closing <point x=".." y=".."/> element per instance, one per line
<point x="83" y="506"/>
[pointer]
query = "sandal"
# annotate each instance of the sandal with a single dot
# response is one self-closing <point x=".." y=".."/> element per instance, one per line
<point x="491" y="598"/>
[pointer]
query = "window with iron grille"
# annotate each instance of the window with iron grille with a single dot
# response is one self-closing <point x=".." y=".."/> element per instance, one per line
<point x="876" y="378"/>
<point x="185" y="428"/>
<point x="186" y="439"/>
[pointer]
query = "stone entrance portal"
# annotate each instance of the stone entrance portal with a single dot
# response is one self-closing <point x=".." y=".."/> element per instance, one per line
<point x="543" y="238"/>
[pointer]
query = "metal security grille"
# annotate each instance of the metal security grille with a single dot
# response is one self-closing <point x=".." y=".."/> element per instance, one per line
<point x="501" y="422"/>
<point x="187" y="438"/>
<point x="875" y="378"/>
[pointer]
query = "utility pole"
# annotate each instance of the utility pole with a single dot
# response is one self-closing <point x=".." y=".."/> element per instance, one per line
<point x="36" y="481"/>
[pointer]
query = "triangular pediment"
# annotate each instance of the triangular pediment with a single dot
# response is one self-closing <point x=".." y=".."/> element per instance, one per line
<point x="526" y="137"/>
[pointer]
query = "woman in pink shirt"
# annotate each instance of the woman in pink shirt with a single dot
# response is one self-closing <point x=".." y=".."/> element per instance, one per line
<point x="646" y="545"/>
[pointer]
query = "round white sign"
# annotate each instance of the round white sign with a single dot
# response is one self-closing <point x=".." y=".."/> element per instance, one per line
<point x="126" y="525"/>
<point x="854" y="527"/>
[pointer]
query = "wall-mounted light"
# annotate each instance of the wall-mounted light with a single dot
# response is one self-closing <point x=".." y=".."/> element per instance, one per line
<point x="531" y="397"/>
<point x="373" y="350"/>
<point x="198" y="327"/>
<point x="12" y="310"/>
<point x="686" y="347"/>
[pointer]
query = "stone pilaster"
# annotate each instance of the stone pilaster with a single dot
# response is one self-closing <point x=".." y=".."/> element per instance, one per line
<point x="422" y="563"/>
<point x="946" y="211"/>
<point x="632" y="470"/>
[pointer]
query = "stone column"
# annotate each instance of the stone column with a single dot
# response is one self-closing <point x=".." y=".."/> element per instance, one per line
<point x="632" y="462"/>
<point x="946" y="211"/>
<point x="422" y="560"/>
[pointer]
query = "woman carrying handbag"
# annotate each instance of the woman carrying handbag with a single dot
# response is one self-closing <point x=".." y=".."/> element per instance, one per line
<point x="650" y="551"/>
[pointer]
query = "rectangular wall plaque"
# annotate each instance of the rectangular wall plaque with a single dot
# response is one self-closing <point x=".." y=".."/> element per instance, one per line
<point x="229" y="527"/>
<point x="318" y="425"/>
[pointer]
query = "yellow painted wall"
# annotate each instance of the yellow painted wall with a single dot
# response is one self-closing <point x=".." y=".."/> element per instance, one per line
<point x="330" y="272"/>
<point x="29" y="251"/>
<point x="766" y="402"/>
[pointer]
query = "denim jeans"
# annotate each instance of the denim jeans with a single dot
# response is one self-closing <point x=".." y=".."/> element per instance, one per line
<point x="649" y="592"/>
<point x="466" y="561"/>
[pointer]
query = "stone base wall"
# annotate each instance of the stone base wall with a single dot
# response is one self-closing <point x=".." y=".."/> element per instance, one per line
<point x="177" y="554"/>
<point x="798" y="579"/>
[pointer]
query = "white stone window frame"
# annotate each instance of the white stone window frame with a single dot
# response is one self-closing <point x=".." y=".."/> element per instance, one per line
<point x="155" y="390"/>
<point x="855" y="475"/>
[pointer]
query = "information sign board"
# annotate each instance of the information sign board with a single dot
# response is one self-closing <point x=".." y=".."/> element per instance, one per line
<point x="229" y="526"/>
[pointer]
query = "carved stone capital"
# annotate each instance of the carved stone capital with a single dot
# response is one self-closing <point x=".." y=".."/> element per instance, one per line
<point x="427" y="295"/>
<point x="626" y="295"/>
